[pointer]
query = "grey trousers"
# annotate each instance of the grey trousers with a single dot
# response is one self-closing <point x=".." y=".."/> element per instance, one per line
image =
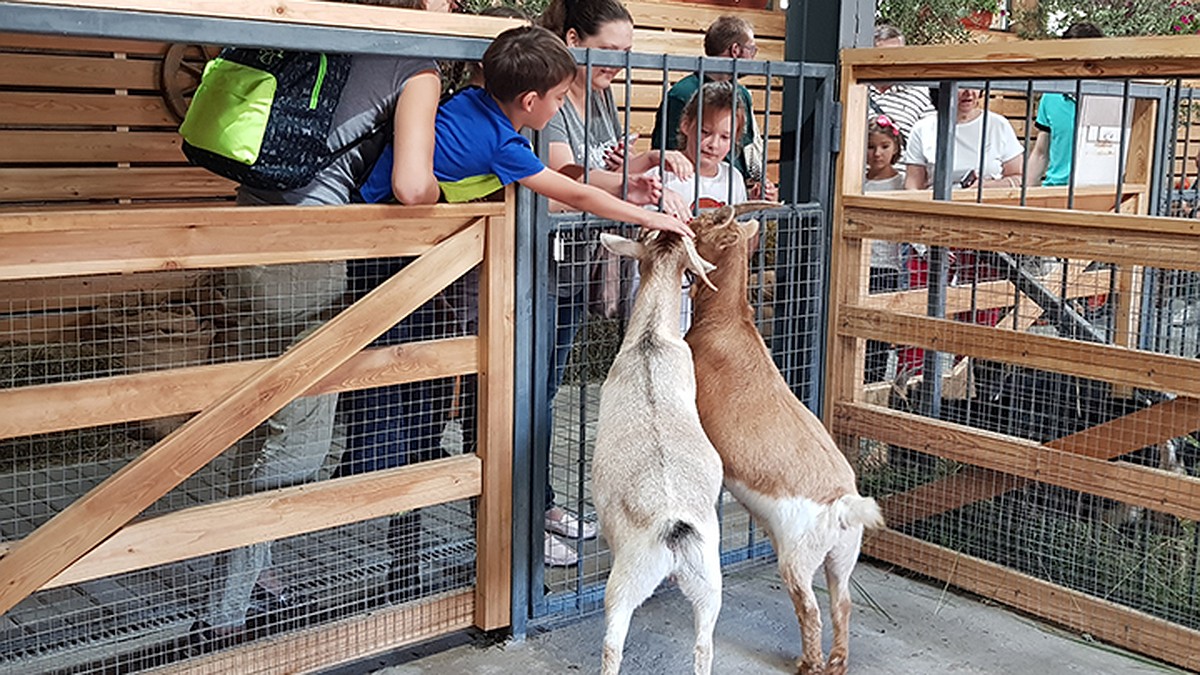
<point x="276" y="306"/>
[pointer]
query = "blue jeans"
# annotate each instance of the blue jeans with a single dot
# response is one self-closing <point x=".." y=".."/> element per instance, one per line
<point x="570" y="312"/>
<point x="401" y="424"/>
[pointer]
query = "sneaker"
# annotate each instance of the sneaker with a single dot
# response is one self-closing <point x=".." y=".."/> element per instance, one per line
<point x="557" y="553"/>
<point x="569" y="525"/>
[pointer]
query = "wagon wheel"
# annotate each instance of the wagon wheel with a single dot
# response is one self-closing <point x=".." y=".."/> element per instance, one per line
<point x="182" y="67"/>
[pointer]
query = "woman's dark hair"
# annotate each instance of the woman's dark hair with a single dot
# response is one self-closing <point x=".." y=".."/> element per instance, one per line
<point x="587" y="17"/>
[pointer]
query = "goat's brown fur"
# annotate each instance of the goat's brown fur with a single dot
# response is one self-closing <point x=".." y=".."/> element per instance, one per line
<point x="779" y="460"/>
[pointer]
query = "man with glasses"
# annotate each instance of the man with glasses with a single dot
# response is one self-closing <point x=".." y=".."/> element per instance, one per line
<point x="731" y="37"/>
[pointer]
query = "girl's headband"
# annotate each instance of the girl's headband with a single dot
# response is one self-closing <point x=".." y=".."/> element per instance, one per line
<point x="886" y="122"/>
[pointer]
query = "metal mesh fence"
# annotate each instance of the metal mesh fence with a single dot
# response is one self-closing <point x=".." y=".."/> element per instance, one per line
<point x="1093" y="538"/>
<point x="65" y="332"/>
<point x="1082" y="480"/>
<point x="589" y="303"/>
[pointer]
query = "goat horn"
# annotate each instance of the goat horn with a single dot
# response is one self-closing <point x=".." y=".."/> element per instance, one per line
<point x="742" y="209"/>
<point x="699" y="265"/>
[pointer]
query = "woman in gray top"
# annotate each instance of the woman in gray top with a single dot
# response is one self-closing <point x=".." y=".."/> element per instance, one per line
<point x="603" y="24"/>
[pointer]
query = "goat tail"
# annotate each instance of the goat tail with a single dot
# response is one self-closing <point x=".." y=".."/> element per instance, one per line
<point x="853" y="510"/>
<point x="685" y="541"/>
<point x="677" y="534"/>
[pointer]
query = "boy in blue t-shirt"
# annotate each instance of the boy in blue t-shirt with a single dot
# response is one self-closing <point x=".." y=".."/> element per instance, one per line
<point x="477" y="147"/>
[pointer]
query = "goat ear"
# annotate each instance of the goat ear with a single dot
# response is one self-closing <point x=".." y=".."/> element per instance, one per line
<point x="749" y="229"/>
<point x="622" y="246"/>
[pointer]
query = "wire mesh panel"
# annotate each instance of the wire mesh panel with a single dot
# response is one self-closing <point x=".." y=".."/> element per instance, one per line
<point x="60" y="337"/>
<point x="1131" y="544"/>
<point x="1009" y="405"/>
<point x="587" y="310"/>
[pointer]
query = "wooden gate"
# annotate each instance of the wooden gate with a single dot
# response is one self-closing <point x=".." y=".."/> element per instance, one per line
<point x="1109" y="253"/>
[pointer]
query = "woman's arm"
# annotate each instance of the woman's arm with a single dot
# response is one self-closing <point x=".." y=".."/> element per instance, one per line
<point x="1010" y="174"/>
<point x="916" y="177"/>
<point x="413" y="181"/>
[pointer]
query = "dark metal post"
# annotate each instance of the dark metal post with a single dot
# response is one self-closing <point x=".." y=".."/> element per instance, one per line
<point x="947" y="108"/>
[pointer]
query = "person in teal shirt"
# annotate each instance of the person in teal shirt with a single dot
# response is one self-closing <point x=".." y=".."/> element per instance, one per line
<point x="1054" y="149"/>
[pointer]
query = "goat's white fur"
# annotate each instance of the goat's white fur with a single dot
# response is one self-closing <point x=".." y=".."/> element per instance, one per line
<point x="656" y="477"/>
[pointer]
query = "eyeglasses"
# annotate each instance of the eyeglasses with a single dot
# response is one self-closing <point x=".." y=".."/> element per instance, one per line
<point x="748" y="50"/>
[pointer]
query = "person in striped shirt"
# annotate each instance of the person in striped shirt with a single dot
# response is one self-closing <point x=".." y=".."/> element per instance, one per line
<point x="904" y="104"/>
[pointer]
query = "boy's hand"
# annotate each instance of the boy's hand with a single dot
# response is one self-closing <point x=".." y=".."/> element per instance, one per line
<point x="644" y="189"/>
<point x="666" y="223"/>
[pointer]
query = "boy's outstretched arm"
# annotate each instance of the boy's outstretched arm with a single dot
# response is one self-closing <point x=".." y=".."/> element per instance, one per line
<point x="412" y="162"/>
<point x="556" y="186"/>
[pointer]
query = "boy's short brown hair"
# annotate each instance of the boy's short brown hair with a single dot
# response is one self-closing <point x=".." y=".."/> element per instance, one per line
<point x="524" y="59"/>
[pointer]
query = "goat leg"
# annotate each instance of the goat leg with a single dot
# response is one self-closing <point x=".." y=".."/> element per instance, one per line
<point x="798" y="579"/>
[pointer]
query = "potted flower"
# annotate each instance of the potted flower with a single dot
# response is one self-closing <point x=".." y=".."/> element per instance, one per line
<point x="937" y="21"/>
<point x="979" y="14"/>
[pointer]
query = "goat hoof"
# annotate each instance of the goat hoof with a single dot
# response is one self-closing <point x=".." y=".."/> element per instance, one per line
<point x="836" y="666"/>
<point x="806" y="668"/>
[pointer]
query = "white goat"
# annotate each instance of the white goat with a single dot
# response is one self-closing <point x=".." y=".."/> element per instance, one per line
<point x="779" y="460"/>
<point x="655" y="476"/>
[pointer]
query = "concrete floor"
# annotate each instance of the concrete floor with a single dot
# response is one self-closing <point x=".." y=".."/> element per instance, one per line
<point x="920" y="630"/>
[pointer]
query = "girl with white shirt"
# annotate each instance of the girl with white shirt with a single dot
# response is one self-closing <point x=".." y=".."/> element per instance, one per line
<point x="713" y="137"/>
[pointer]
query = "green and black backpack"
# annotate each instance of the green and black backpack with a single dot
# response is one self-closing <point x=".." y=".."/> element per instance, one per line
<point x="262" y="117"/>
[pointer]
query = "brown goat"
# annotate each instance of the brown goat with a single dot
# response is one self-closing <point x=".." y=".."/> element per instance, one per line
<point x="779" y="460"/>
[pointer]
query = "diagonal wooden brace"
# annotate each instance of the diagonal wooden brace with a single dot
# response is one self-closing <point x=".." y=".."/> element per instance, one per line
<point x="1155" y="424"/>
<point x="94" y="517"/>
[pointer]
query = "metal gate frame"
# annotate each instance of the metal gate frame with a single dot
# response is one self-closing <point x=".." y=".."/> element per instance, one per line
<point x="799" y="323"/>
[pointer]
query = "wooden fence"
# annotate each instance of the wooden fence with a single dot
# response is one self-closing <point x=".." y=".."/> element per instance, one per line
<point x="979" y="466"/>
<point x="96" y="536"/>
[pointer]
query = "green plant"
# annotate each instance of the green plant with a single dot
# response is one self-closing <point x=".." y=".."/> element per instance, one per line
<point x="1116" y="18"/>
<point x="933" y="21"/>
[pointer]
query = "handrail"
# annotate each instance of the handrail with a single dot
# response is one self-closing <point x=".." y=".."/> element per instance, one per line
<point x="1107" y="57"/>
